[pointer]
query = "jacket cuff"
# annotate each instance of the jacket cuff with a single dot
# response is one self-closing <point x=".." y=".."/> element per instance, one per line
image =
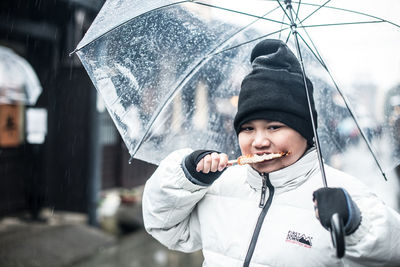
<point x="172" y="167"/>
<point x="190" y="177"/>
<point x="363" y="228"/>
<point x="188" y="185"/>
<point x="360" y="232"/>
<point x="189" y="164"/>
<point x="354" y="219"/>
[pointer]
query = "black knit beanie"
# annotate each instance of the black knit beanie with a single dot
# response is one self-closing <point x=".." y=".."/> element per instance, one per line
<point x="274" y="90"/>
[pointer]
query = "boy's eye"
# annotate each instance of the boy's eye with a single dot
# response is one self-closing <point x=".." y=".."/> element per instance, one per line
<point x="274" y="127"/>
<point x="246" y="128"/>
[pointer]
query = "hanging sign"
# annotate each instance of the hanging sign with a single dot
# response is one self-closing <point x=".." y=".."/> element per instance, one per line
<point x="11" y="125"/>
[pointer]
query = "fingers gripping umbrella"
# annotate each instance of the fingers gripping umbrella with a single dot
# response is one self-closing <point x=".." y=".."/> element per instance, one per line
<point x="169" y="72"/>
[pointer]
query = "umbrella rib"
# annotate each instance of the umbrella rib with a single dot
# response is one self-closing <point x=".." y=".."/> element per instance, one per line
<point x="283" y="18"/>
<point x="296" y="34"/>
<point x="352" y="114"/>
<point x="298" y="10"/>
<point x="284" y="11"/>
<point x="168" y="98"/>
<point x="239" y="12"/>
<point x="379" y="20"/>
<point x="120" y="25"/>
<point x="316" y="54"/>
<point x="354" y="12"/>
<point x="364" y="14"/>
<point x="312" y="13"/>
<point x="369" y="145"/>
<point x="286" y="15"/>
<point x="237" y="32"/>
<point x="290" y="19"/>
<point x="247" y="42"/>
<point x="240" y="30"/>
<point x="198" y="65"/>
<point x="180" y="85"/>
<point x="287" y="38"/>
<point x="341" y="24"/>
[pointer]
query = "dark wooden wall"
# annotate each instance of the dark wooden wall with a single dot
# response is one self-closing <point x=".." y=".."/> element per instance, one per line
<point x="59" y="173"/>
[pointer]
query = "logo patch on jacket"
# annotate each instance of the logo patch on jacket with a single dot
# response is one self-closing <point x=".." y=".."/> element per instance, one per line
<point x="300" y="239"/>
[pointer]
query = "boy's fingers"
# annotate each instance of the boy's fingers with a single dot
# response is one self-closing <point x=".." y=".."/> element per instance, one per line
<point x="215" y="158"/>
<point x="200" y="165"/>
<point x="207" y="164"/>
<point x="223" y="162"/>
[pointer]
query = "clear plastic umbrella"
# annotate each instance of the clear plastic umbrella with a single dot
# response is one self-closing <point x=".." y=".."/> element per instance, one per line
<point x="170" y="71"/>
<point x="18" y="80"/>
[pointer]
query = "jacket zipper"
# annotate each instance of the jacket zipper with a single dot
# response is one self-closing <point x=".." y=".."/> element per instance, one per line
<point x="263" y="190"/>
<point x="265" y="207"/>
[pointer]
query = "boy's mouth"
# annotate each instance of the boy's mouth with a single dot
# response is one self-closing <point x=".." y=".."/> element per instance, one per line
<point x="262" y="157"/>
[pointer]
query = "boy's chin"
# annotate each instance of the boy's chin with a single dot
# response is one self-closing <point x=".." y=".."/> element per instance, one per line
<point x="264" y="167"/>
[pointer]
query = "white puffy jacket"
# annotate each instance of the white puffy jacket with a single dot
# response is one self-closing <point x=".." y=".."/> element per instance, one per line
<point x="221" y="219"/>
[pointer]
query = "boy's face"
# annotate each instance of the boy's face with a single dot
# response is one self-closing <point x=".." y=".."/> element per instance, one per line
<point x="262" y="136"/>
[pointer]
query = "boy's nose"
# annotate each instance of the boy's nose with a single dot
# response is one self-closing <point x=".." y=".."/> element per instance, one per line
<point x="261" y="140"/>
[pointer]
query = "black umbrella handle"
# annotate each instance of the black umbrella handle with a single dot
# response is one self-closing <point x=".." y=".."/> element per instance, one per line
<point x="337" y="234"/>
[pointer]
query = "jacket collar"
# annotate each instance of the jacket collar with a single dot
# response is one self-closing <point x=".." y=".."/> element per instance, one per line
<point x="289" y="177"/>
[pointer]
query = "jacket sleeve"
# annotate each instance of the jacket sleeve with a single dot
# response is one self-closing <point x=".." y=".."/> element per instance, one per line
<point x="169" y="205"/>
<point x="377" y="240"/>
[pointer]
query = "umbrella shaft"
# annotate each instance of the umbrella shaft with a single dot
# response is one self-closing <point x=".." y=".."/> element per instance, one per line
<point x="293" y="27"/>
<point x="316" y="139"/>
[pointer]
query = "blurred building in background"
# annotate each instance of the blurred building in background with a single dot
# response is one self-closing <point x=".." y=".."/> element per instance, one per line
<point x="61" y="151"/>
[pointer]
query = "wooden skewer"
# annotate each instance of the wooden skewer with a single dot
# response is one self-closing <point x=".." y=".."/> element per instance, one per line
<point x="256" y="158"/>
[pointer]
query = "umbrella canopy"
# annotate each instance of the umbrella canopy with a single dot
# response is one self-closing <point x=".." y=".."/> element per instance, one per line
<point x="18" y="80"/>
<point x="169" y="72"/>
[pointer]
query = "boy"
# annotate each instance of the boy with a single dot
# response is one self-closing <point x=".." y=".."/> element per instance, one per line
<point x="262" y="214"/>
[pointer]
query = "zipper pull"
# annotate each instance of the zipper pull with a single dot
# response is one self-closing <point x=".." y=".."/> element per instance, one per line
<point x="263" y="191"/>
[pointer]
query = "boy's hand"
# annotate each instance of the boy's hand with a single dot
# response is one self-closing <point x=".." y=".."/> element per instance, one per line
<point x="212" y="162"/>
<point x="328" y="201"/>
<point x="203" y="167"/>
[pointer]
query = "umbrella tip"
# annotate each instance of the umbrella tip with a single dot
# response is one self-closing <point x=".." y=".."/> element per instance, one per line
<point x="73" y="52"/>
